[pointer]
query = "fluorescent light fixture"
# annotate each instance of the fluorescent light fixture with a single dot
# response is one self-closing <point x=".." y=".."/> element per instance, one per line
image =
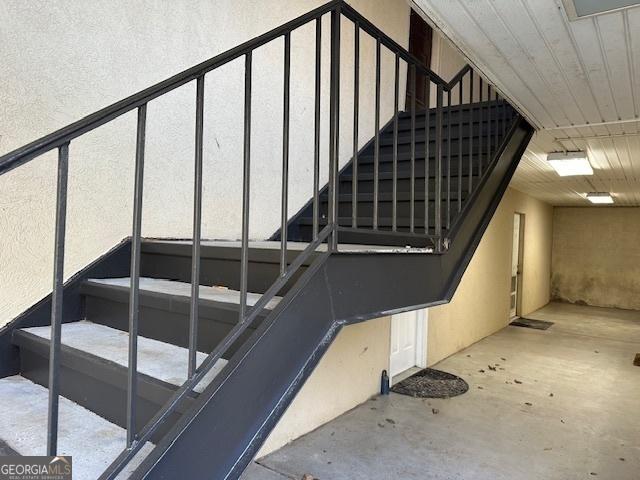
<point x="570" y="163"/>
<point x="600" y="198"/>
<point x="577" y="9"/>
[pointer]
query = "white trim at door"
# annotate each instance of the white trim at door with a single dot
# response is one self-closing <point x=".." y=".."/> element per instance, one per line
<point x="408" y="347"/>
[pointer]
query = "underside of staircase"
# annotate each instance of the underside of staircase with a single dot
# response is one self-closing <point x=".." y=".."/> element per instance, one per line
<point x="392" y="231"/>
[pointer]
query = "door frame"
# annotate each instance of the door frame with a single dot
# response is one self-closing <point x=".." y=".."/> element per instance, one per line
<point x="422" y="330"/>
<point x="520" y="266"/>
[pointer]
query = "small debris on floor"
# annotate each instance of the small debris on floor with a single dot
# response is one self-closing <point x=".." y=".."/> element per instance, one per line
<point x="380" y="425"/>
<point x="503" y="359"/>
<point x="561" y="421"/>
<point x="515" y="380"/>
<point x="435" y="411"/>
<point x="480" y="388"/>
<point x="508" y="383"/>
<point x="548" y="449"/>
<point x="480" y="371"/>
<point x="551" y="394"/>
<point x="596" y="351"/>
<point x="636" y="361"/>
<point x="390" y="420"/>
<point x="373" y="408"/>
<point x="621" y="459"/>
<point x="493" y="369"/>
<point x="593" y="473"/>
<point x="528" y="404"/>
<point x="469" y="356"/>
<point x="308" y="476"/>
<point x="501" y="368"/>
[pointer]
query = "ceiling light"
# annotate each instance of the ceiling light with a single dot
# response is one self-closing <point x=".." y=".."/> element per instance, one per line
<point x="577" y="9"/>
<point x="570" y="163"/>
<point x="600" y="197"/>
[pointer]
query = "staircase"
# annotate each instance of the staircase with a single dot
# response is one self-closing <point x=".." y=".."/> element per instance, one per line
<point x="166" y="359"/>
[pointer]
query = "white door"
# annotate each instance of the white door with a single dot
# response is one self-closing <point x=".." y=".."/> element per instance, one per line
<point x="515" y="264"/>
<point x="407" y="338"/>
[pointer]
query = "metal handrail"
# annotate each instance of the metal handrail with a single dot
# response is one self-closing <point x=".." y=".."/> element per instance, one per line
<point x="337" y="9"/>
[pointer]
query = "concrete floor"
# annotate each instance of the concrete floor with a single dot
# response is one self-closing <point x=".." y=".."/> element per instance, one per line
<point x="572" y="413"/>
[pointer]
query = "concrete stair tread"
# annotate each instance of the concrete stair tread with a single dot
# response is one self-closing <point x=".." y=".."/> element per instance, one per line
<point x="171" y="287"/>
<point x="92" y="441"/>
<point x="163" y="361"/>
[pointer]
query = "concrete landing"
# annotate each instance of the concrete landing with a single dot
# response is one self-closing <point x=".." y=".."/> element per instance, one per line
<point x="91" y="440"/>
<point x="160" y="360"/>
<point x="562" y="404"/>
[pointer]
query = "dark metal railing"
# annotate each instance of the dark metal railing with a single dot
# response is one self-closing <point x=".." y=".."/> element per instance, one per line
<point x="436" y="223"/>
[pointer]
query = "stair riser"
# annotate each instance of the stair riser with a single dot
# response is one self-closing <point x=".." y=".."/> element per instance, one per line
<point x="96" y="384"/>
<point x="218" y="266"/>
<point x="385" y="209"/>
<point x="404" y="149"/>
<point x="403" y="185"/>
<point x="164" y="325"/>
<point x="304" y="232"/>
<point x="404" y="167"/>
<point x="475" y="130"/>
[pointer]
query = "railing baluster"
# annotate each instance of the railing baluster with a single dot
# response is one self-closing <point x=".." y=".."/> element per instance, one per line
<point x="334" y="127"/>
<point x="57" y="299"/>
<point x="376" y="159"/>
<point x="356" y="119"/>
<point x="496" y="119"/>
<point x="134" y="297"/>
<point x="438" y="185"/>
<point x="460" y="139"/>
<point x="448" y="159"/>
<point x="285" y="153"/>
<point x="480" y="127"/>
<point x="197" y="226"/>
<point x="427" y="160"/>
<point x="396" y="100"/>
<point x="412" y="188"/>
<point x="246" y="182"/>
<point x="316" y="137"/>
<point x="489" y="125"/>
<point x="470" y="130"/>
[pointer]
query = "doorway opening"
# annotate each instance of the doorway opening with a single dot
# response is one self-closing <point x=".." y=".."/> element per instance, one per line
<point x="408" y="344"/>
<point x="516" y="265"/>
<point x="420" y="43"/>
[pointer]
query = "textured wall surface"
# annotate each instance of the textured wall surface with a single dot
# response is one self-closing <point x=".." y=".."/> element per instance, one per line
<point x="63" y="59"/>
<point x="596" y="256"/>
<point x="480" y="306"/>
<point x="347" y="375"/>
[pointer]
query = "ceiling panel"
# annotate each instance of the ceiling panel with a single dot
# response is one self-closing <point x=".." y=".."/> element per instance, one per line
<point x="577" y="81"/>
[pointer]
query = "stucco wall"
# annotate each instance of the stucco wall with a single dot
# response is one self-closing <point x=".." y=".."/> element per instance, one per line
<point x="347" y="375"/>
<point x="480" y="306"/>
<point x="64" y="59"/>
<point x="596" y="256"/>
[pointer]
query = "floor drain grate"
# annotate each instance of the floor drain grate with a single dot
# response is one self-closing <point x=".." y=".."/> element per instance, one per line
<point x="531" y="323"/>
<point x="431" y="383"/>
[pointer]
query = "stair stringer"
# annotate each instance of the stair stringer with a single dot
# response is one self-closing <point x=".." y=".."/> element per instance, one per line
<point x="233" y="417"/>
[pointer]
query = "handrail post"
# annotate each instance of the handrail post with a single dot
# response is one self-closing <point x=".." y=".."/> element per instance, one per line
<point x="285" y="154"/>
<point x="316" y="128"/>
<point x="246" y="182"/>
<point x="438" y="179"/>
<point x="197" y="227"/>
<point x="334" y="127"/>
<point x="134" y="298"/>
<point x="56" y="300"/>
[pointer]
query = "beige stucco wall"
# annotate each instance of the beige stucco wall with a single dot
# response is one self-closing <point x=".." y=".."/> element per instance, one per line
<point x="480" y="306"/>
<point x="347" y="375"/>
<point x="596" y="256"/>
<point x="63" y="59"/>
